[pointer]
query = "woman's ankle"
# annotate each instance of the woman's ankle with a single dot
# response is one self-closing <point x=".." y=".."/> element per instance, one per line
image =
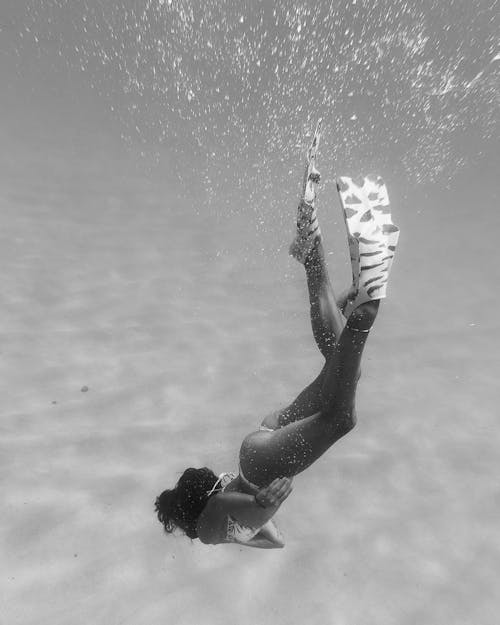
<point x="315" y="259"/>
<point x="363" y="317"/>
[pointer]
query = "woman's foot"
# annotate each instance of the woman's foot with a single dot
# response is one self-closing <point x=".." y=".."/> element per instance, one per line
<point x="308" y="231"/>
<point x="307" y="222"/>
<point x="372" y="237"/>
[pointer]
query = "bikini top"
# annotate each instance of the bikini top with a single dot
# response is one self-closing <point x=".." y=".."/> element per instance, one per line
<point x="236" y="532"/>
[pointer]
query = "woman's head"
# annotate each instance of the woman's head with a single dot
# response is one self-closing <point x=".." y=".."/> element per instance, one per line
<point x="181" y="506"/>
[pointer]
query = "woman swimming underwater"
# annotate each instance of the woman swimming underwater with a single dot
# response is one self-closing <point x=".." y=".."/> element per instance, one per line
<point x="232" y="508"/>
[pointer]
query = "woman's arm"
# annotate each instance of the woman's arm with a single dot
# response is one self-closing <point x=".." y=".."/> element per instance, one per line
<point x="256" y="510"/>
<point x="263" y="543"/>
<point x="272" y="532"/>
<point x="243" y="508"/>
<point x="269" y="537"/>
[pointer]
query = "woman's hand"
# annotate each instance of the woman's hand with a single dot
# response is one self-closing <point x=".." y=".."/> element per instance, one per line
<point x="274" y="494"/>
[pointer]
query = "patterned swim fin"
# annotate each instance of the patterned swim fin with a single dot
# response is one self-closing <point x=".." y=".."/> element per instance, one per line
<point x="371" y="234"/>
<point x="307" y="222"/>
<point x="378" y="197"/>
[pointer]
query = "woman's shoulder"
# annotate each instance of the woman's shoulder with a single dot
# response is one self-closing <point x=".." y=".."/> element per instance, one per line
<point x="211" y="524"/>
<point x="231" y="482"/>
<point x="209" y="521"/>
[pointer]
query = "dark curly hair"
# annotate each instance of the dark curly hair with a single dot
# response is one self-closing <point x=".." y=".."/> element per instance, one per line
<point x="181" y="506"/>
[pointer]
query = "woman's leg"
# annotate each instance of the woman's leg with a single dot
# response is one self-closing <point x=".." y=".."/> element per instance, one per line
<point x="327" y="324"/>
<point x="307" y="247"/>
<point x="329" y="400"/>
<point x="295" y="446"/>
<point x="326" y="319"/>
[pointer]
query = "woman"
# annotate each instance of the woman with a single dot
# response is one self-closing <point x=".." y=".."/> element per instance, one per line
<point x="240" y="508"/>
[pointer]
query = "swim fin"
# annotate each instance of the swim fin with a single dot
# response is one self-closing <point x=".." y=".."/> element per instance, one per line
<point x="371" y="235"/>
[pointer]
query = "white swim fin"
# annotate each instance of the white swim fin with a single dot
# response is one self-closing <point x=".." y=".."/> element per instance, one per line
<point x="371" y="234"/>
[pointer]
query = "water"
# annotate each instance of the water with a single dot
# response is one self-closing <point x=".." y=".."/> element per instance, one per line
<point x="150" y="318"/>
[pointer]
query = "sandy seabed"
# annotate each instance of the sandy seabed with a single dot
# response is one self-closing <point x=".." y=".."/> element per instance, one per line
<point x="139" y="336"/>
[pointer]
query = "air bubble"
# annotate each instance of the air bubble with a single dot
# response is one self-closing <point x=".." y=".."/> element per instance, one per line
<point x="170" y="75"/>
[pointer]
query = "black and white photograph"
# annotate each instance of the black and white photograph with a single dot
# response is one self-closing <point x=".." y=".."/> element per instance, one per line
<point x="249" y="313"/>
